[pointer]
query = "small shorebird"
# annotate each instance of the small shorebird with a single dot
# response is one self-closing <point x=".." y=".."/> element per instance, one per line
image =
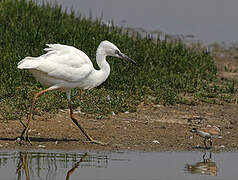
<point x="208" y="133"/>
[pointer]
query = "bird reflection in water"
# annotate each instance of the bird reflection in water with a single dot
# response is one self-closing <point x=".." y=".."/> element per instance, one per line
<point x="75" y="166"/>
<point x="207" y="166"/>
<point x="23" y="166"/>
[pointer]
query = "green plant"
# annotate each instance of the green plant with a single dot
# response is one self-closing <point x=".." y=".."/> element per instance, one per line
<point x="162" y="73"/>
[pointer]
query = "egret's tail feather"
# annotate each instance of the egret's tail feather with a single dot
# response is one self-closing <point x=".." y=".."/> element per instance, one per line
<point x="54" y="47"/>
<point x="27" y="63"/>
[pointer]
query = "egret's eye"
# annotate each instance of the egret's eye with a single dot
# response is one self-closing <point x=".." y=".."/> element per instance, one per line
<point x="117" y="52"/>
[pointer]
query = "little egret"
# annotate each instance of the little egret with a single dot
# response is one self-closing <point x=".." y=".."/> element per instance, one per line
<point x="65" y="67"/>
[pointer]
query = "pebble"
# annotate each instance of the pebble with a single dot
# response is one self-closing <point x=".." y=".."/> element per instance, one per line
<point x="41" y="146"/>
<point x="62" y="110"/>
<point x="18" y="140"/>
<point x="156" y="142"/>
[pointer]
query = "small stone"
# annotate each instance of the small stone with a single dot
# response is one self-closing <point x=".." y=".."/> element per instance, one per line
<point x="63" y="111"/>
<point x="156" y="141"/>
<point x="41" y="146"/>
<point x="18" y="140"/>
<point x="222" y="146"/>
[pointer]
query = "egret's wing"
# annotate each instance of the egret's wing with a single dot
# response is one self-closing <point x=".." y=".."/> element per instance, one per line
<point x="61" y="62"/>
<point x="66" y="55"/>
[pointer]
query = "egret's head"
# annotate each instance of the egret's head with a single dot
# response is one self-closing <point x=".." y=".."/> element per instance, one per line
<point x="111" y="50"/>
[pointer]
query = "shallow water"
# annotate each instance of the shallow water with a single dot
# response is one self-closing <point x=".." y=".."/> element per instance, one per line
<point x="213" y="20"/>
<point x="117" y="165"/>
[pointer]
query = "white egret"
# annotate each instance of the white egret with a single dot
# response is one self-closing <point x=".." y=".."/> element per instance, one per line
<point x="65" y="67"/>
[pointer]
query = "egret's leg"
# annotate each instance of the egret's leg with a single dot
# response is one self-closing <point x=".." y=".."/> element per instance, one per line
<point x="78" y="125"/>
<point x="24" y="134"/>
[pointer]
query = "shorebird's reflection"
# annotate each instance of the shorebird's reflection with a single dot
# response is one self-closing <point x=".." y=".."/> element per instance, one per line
<point x="207" y="166"/>
<point x="75" y="166"/>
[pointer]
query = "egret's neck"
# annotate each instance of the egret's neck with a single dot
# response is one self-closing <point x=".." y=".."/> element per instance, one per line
<point x="103" y="64"/>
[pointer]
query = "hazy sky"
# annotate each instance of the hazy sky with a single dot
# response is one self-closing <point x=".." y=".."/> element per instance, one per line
<point x="211" y="20"/>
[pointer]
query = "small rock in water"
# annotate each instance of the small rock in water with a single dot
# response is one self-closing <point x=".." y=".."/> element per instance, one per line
<point x="41" y="146"/>
<point x="18" y="140"/>
<point x="156" y="142"/>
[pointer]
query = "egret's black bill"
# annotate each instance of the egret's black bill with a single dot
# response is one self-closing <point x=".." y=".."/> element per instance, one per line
<point x="126" y="58"/>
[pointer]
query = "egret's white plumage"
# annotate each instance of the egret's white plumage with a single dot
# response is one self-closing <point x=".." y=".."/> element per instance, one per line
<point x="66" y="67"/>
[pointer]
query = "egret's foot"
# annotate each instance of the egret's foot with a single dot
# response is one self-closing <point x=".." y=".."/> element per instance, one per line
<point x="20" y="140"/>
<point x="97" y="142"/>
<point x="24" y="137"/>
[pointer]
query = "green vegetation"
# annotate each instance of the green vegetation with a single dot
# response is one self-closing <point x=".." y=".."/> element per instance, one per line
<point x="165" y="73"/>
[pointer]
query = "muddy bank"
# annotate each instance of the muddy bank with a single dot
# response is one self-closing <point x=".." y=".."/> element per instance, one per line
<point x="151" y="128"/>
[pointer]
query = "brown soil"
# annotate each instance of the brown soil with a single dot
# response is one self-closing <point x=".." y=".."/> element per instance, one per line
<point x="151" y="128"/>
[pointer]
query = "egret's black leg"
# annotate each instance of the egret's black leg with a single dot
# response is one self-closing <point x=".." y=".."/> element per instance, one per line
<point x="80" y="127"/>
